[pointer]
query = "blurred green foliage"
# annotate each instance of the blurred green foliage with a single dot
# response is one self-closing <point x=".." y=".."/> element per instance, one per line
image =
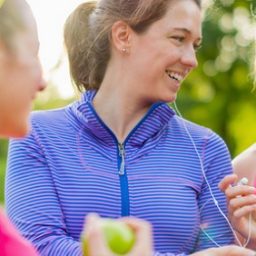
<point x="219" y="93"/>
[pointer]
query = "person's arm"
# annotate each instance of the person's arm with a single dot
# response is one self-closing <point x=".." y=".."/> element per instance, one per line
<point x="245" y="165"/>
<point x="32" y="202"/>
<point x="215" y="230"/>
<point x="229" y="250"/>
<point x="242" y="209"/>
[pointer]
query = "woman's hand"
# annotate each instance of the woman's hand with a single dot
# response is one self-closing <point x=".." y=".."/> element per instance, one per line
<point x="97" y="245"/>
<point x="230" y="250"/>
<point x="241" y="207"/>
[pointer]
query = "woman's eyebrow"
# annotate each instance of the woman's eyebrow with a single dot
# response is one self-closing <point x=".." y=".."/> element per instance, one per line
<point x="187" y="31"/>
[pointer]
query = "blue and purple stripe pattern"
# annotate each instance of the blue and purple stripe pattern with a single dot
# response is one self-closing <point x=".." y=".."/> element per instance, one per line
<point x="72" y="164"/>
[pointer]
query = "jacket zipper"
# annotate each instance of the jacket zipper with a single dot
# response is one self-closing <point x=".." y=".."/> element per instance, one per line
<point x="125" y="201"/>
<point x="122" y="156"/>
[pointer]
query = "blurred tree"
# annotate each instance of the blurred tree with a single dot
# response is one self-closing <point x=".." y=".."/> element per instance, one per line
<point x="219" y="93"/>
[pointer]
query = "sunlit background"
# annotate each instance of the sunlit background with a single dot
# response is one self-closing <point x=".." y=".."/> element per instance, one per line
<point x="50" y="16"/>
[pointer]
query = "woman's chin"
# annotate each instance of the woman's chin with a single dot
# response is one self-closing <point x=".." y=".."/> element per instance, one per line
<point x="19" y="130"/>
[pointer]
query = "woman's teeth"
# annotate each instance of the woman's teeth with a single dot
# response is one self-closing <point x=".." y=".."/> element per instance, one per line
<point x="174" y="75"/>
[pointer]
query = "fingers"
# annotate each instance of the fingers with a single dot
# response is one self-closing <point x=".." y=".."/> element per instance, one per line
<point x="96" y="245"/>
<point x="143" y="245"/>
<point x="95" y="241"/>
<point x="233" y="250"/>
<point x="138" y="225"/>
<point x="227" y="181"/>
<point x="244" y="211"/>
<point x="242" y="200"/>
<point x="241" y="190"/>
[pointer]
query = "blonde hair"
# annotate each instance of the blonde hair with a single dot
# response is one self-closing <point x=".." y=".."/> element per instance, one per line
<point x="12" y="21"/>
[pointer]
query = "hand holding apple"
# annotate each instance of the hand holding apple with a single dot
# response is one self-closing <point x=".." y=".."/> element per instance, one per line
<point x="108" y="237"/>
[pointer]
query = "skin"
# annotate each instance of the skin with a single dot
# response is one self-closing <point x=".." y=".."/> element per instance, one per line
<point x="245" y="164"/>
<point x="241" y="204"/>
<point x="231" y="250"/>
<point x="143" y="246"/>
<point x="20" y="80"/>
<point x="97" y="244"/>
<point x="136" y="77"/>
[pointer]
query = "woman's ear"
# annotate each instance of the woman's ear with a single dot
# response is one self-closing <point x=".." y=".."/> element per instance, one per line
<point x="121" y="36"/>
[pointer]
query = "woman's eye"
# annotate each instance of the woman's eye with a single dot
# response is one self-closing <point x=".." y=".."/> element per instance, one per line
<point x="178" y="38"/>
<point x="197" y="46"/>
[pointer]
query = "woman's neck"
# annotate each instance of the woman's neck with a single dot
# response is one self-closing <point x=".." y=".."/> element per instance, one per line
<point x="119" y="109"/>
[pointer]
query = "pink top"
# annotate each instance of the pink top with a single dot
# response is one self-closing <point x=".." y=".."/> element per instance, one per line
<point x="11" y="242"/>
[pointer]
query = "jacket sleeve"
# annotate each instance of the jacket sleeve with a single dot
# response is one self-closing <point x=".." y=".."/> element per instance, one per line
<point x="215" y="229"/>
<point x="32" y="202"/>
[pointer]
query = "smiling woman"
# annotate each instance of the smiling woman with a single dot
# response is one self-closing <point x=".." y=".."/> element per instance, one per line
<point x="121" y="150"/>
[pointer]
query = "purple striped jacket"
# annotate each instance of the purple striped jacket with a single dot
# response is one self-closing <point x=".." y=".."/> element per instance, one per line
<point x="72" y="164"/>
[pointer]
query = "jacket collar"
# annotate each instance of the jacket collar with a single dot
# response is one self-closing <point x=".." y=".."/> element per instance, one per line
<point x="150" y="126"/>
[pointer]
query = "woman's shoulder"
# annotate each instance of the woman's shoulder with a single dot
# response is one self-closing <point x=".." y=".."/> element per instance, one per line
<point x="195" y="129"/>
<point x="200" y="135"/>
<point x="51" y="116"/>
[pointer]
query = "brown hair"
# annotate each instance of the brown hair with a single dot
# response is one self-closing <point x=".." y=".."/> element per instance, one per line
<point x="12" y="20"/>
<point x="87" y="34"/>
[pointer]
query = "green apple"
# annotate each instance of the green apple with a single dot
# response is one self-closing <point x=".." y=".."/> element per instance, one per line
<point x="119" y="237"/>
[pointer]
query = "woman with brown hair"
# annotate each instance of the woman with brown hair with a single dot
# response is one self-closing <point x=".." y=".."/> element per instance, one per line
<point x="121" y="150"/>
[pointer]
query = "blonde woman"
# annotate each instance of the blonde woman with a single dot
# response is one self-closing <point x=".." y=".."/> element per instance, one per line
<point x="20" y="80"/>
<point x="120" y="150"/>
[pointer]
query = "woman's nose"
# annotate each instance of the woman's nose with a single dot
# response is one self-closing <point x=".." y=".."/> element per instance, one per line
<point x="41" y="84"/>
<point x="189" y="57"/>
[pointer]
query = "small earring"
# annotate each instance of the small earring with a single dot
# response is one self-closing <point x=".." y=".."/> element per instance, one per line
<point x="124" y="50"/>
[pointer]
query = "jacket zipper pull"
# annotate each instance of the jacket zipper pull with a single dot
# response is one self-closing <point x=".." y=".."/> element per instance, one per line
<point x="122" y="155"/>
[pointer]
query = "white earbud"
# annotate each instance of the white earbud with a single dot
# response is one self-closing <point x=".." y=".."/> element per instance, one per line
<point x="243" y="181"/>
